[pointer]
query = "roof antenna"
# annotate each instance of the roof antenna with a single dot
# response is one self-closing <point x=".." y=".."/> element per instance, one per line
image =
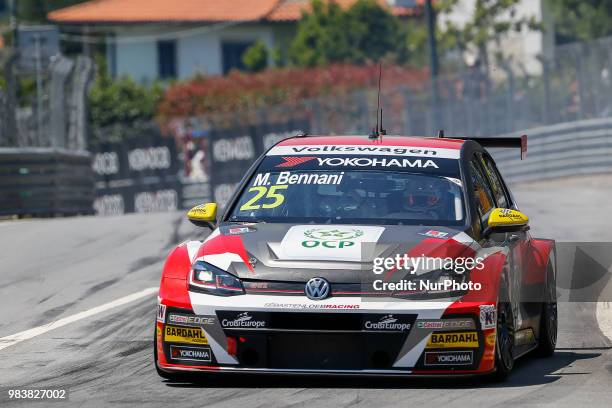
<point x="378" y="130"/>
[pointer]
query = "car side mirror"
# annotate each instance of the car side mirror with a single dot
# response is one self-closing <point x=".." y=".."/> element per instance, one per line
<point x="506" y="220"/>
<point x="204" y="215"/>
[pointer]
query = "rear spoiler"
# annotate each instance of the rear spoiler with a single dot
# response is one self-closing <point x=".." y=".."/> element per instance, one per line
<point x="499" y="142"/>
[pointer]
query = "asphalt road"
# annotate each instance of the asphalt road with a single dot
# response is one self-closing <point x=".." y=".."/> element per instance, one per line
<point x="52" y="269"/>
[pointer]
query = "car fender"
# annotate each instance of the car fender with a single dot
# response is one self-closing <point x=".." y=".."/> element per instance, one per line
<point x="541" y="252"/>
<point x="173" y="288"/>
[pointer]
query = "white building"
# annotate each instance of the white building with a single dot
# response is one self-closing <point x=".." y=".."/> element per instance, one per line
<point x="150" y="39"/>
<point x="524" y="48"/>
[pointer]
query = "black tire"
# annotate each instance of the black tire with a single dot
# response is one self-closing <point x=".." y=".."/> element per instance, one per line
<point x="175" y="377"/>
<point x="549" y="318"/>
<point x="504" y="344"/>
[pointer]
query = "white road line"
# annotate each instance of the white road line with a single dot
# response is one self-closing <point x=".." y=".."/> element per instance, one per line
<point x="37" y="331"/>
<point x="604" y="318"/>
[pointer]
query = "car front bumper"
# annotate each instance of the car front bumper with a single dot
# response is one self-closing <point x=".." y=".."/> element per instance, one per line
<point x="336" y="336"/>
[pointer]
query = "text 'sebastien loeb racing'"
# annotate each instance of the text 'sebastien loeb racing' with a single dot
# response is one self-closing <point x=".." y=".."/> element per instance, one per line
<point x="286" y="282"/>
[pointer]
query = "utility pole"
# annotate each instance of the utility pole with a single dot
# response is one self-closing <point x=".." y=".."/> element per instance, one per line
<point x="430" y="14"/>
<point x="13" y="21"/>
<point x="39" y="88"/>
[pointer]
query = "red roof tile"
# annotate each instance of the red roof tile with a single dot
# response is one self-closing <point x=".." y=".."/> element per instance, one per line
<point x="147" y="11"/>
<point x="159" y="11"/>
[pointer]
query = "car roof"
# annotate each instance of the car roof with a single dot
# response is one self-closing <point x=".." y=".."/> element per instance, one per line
<point x="421" y="142"/>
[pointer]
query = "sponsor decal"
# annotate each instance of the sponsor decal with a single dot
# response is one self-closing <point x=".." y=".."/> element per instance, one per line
<point x="156" y="201"/>
<point x="252" y="261"/>
<point x="329" y="243"/>
<point x="149" y="158"/>
<point x="242" y="320"/>
<point x="364" y="150"/>
<point x="507" y="217"/>
<point x="376" y="162"/>
<point x="266" y="194"/>
<point x="489" y="352"/>
<point x="190" y="335"/>
<point x="507" y="213"/>
<point x="190" y="353"/>
<point x="308" y="306"/>
<point x="334" y="234"/>
<point x="240" y="148"/>
<point x="436" y="358"/>
<point x="236" y="230"/>
<point x="488" y="317"/>
<point x="331" y="237"/>
<point x="447" y="324"/>
<point x="434" y="234"/>
<point x="106" y="163"/>
<point x="453" y="340"/>
<point x="161" y="313"/>
<point x="292" y="161"/>
<point x="490" y="339"/>
<point x="286" y="178"/>
<point x="388" y="323"/>
<point x="190" y="319"/>
<point x="110" y="204"/>
<point x="256" y="285"/>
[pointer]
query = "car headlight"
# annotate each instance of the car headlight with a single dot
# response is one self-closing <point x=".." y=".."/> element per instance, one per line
<point x="210" y="279"/>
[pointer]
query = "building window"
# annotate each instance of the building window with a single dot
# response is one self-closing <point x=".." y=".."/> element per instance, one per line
<point x="166" y="59"/>
<point x="232" y="55"/>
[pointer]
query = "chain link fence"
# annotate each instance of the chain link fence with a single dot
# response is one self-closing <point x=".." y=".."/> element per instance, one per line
<point x="575" y="84"/>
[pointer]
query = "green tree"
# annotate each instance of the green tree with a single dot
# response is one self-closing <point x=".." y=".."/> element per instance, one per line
<point x="581" y="20"/>
<point x="490" y="23"/>
<point x="255" y="58"/>
<point x="326" y="34"/>
<point x="372" y="31"/>
<point x="122" y="101"/>
<point x="35" y="11"/>
<point x="320" y="38"/>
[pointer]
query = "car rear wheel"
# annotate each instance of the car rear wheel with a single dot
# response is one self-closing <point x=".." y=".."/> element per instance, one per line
<point x="548" y="319"/>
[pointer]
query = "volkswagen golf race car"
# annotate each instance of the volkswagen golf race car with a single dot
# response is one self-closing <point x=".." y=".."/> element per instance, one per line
<point x="359" y="255"/>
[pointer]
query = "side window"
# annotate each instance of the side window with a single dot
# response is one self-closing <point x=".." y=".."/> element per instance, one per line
<point x="482" y="191"/>
<point x="496" y="183"/>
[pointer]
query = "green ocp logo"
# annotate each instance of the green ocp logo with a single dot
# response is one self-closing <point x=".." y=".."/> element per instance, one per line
<point x="331" y="237"/>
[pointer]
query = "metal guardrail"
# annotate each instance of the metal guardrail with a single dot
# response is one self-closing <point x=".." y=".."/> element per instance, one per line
<point x="45" y="182"/>
<point x="562" y="150"/>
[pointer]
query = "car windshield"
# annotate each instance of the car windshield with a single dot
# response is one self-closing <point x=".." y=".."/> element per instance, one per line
<point x="367" y="197"/>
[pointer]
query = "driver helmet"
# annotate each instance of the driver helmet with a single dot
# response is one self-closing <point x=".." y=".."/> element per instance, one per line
<point x="423" y="194"/>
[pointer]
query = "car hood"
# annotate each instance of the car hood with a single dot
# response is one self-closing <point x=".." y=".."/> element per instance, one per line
<point x="339" y="253"/>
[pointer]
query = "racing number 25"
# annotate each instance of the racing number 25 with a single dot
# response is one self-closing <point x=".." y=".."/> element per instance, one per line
<point x="260" y="191"/>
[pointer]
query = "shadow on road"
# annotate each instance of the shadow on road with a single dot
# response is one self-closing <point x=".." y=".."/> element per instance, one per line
<point x="528" y="371"/>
